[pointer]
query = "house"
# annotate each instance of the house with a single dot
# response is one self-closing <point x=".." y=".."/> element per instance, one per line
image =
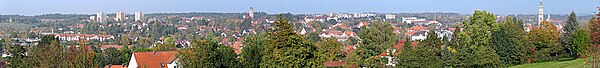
<point x="75" y="37"/>
<point x="161" y="59"/>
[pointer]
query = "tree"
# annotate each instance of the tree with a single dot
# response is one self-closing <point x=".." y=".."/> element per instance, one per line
<point x="252" y="50"/>
<point x="544" y="39"/>
<point x="580" y="41"/>
<point x="374" y="41"/>
<point x="312" y="36"/>
<point x="83" y="59"/>
<point x="508" y="42"/>
<point x="168" y="44"/>
<point x="48" y="54"/>
<point x="330" y="48"/>
<point x="432" y="40"/>
<point x="124" y="40"/>
<point x="18" y="58"/>
<point x="593" y="28"/>
<point x="427" y="55"/>
<point x="566" y="39"/>
<point x="125" y="54"/>
<point x="474" y="41"/>
<point x="112" y="56"/>
<point x="209" y="54"/>
<point x="288" y="49"/>
<point x="420" y="57"/>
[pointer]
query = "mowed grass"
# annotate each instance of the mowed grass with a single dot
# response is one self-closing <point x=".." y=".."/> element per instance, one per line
<point x="578" y="63"/>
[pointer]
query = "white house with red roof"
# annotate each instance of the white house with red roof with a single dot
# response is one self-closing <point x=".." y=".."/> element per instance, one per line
<point x="162" y="59"/>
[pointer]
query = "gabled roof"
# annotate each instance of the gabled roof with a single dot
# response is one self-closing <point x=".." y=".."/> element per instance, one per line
<point x="417" y="28"/>
<point x="154" y="59"/>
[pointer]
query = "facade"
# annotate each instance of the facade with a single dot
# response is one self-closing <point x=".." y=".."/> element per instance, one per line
<point x="75" y="37"/>
<point x="101" y="17"/>
<point x="390" y="16"/>
<point x="120" y="16"/>
<point x="139" y="16"/>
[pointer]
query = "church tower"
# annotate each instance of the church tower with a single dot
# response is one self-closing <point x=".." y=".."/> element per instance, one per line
<point x="251" y="12"/>
<point x="540" y="13"/>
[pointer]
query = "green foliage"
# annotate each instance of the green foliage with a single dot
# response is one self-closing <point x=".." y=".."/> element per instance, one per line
<point x="142" y="50"/>
<point x="312" y="36"/>
<point x="49" y="54"/>
<point x="207" y="54"/>
<point x="478" y="29"/>
<point x="474" y="41"/>
<point x="544" y="39"/>
<point x="580" y="41"/>
<point x="509" y="43"/>
<point x="18" y="58"/>
<point x="421" y="57"/>
<point x="252" y="50"/>
<point x="125" y="54"/>
<point x="112" y="56"/>
<point x="330" y="49"/>
<point x="288" y="49"/>
<point x="566" y="38"/>
<point x="168" y="44"/>
<point x="374" y="41"/>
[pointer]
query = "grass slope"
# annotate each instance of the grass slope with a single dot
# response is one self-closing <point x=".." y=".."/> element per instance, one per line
<point x="578" y="63"/>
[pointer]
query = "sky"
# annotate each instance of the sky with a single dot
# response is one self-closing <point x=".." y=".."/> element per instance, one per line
<point x="38" y="7"/>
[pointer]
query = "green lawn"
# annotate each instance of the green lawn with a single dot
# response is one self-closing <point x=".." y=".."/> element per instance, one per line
<point x="578" y="63"/>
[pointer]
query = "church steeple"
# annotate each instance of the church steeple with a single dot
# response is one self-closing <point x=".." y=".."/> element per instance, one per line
<point x="251" y="12"/>
<point x="540" y="13"/>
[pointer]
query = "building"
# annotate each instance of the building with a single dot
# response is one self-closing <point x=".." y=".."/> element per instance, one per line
<point x="76" y="37"/>
<point x="390" y="16"/>
<point x="101" y="17"/>
<point x="161" y="59"/>
<point x="120" y="16"/>
<point x="251" y="12"/>
<point x="139" y="16"/>
<point x="540" y="13"/>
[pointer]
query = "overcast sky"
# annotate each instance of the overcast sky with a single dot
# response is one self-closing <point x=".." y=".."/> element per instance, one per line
<point x="37" y="7"/>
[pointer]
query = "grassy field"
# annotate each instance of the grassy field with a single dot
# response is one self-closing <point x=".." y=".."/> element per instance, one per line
<point x="578" y="63"/>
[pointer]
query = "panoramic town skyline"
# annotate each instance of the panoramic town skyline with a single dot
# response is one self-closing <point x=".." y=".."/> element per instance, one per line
<point x="500" y="7"/>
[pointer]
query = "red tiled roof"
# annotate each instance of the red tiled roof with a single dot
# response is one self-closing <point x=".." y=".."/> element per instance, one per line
<point x="383" y="54"/>
<point x="361" y="23"/>
<point x="399" y="44"/>
<point x="410" y="33"/>
<point x="350" y="33"/>
<point x="397" y="29"/>
<point x="348" y="49"/>
<point x="154" y="59"/>
<point x="414" y="44"/>
<point x="237" y="47"/>
<point x="452" y="29"/>
<point x="417" y="28"/>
